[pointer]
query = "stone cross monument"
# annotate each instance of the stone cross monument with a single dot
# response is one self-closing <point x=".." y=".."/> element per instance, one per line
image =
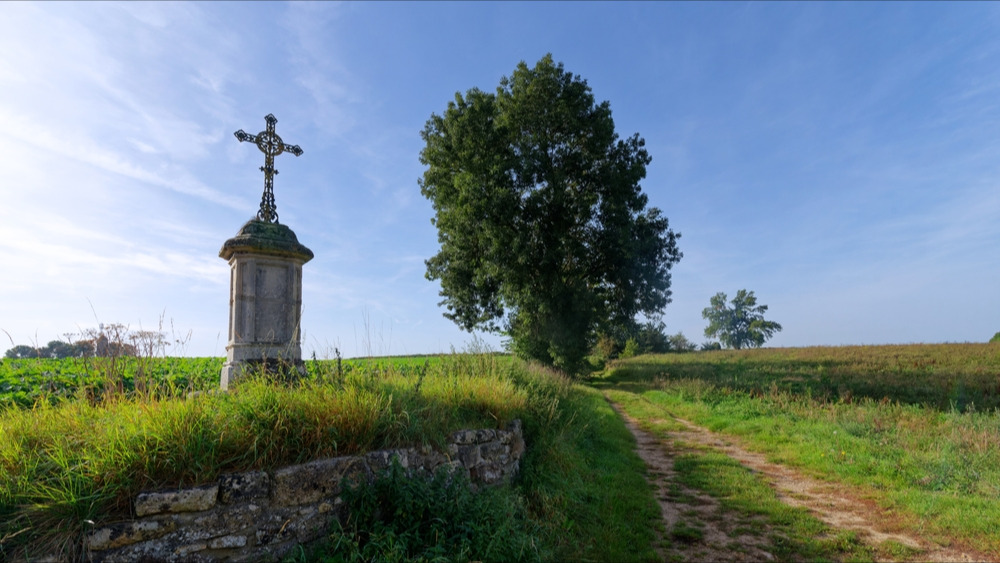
<point x="265" y="287"/>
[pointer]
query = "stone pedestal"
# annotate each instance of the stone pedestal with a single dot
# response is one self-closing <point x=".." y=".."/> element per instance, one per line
<point x="265" y="299"/>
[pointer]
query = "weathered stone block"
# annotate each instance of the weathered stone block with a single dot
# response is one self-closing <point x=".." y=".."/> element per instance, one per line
<point x="278" y="528"/>
<point x="380" y="461"/>
<point x="486" y="474"/>
<point x="228" y="542"/>
<point x="487" y="435"/>
<point x="311" y="526"/>
<point x="470" y="456"/>
<point x="183" y="500"/>
<point x="185" y="550"/>
<point x="453" y="468"/>
<point x="311" y="482"/>
<point x="492" y="451"/>
<point x="463" y="437"/>
<point x="125" y="533"/>
<point x="261" y="518"/>
<point x="223" y="522"/>
<point x="427" y="460"/>
<point x="236" y="487"/>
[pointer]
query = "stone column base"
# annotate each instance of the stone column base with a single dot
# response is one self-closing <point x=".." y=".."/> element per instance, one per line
<point x="280" y="370"/>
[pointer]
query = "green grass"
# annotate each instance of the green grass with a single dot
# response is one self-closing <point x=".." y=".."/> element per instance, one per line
<point x="586" y="483"/>
<point x="399" y="519"/>
<point x="66" y="462"/>
<point x="913" y="427"/>
<point x="796" y="535"/>
<point x="941" y="376"/>
<point x="24" y="382"/>
<point x="76" y="460"/>
<point x="936" y="469"/>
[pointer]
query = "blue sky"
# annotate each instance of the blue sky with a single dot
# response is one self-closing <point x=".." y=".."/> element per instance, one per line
<point x="841" y="160"/>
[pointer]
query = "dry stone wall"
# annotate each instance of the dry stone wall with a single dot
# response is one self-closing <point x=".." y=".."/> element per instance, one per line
<point x="257" y="516"/>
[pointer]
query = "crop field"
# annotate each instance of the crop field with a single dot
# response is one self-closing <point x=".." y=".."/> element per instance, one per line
<point x="913" y="430"/>
<point x="23" y="382"/>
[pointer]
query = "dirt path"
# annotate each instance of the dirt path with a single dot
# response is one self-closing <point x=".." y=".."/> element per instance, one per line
<point x="717" y="535"/>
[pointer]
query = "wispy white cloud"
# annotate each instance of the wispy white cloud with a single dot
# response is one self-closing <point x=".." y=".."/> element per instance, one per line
<point x="833" y="167"/>
<point x="318" y="64"/>
<point x="88" y="150"/>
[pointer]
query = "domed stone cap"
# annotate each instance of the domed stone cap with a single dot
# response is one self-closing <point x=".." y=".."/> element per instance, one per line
<point x="266" y="238"/>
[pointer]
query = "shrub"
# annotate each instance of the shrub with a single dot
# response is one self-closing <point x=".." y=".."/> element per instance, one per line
<point x="631" y="349"/>
<point x="440" y="519"/>
<point x="606" y="347"/>
<point x="996" y="338"/>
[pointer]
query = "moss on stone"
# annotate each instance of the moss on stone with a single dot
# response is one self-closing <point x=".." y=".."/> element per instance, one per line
<point x="259" y="237"/>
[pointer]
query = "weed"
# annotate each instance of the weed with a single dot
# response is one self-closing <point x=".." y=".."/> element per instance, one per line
<point x="412" y="519"/>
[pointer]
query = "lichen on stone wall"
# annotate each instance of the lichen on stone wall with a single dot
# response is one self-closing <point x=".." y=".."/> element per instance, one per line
<point x="259" y="515"/>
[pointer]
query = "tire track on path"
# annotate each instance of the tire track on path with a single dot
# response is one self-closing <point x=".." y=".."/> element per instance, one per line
<point x="831" y="503"/>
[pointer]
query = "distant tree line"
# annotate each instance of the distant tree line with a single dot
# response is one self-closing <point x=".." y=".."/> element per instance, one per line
<point x="109" y="341"/>
<point x="57" y="349"/>
<point x="54" y="349"/>
<point x="645" y="338"/>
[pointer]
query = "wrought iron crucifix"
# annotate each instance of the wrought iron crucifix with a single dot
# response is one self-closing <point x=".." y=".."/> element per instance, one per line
<point x="271" y="145"/>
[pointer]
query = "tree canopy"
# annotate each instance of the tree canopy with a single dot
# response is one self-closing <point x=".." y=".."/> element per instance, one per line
<point x="740" y="325"/>
<point x="545" y="232"/>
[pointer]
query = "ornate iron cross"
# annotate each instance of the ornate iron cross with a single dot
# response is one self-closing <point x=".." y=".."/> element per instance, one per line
<point x="271" y="145"/>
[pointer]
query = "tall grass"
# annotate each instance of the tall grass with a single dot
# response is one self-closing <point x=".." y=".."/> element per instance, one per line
<point x="582" y="478"/>
<point x="941" y="376"/>
<point x="66" y="464"/>
<point x="69" y="464"/>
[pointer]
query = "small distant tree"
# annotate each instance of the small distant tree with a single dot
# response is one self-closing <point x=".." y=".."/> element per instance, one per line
<point x="740" y="324"/>
<point x="710" y="345"/>
<point x="996" y="337"/>
<point x="680" y="343"/>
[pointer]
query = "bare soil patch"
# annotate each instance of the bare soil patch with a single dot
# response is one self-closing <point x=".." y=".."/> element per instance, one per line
<point x="685" y="510"/>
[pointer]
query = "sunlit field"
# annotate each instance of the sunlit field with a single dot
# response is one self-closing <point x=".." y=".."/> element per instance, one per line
<point x="913" y="428"/>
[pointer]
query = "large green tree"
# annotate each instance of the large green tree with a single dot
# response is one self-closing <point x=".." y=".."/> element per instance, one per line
<point x="544" y="230"/>
<point x="740" y="324"/>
